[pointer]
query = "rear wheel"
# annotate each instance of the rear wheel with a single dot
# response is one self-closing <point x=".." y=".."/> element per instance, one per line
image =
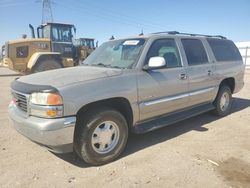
<point x="100" y="136"/>
<point x="46" y="65"/>
<point x="223" y="101"/>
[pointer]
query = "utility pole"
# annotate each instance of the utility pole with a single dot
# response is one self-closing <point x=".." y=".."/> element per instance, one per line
<point x="47" y="12"/>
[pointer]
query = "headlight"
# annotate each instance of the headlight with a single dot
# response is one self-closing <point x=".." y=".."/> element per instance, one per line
<point x="46" y="99"/>
<point x="47" y="105"/>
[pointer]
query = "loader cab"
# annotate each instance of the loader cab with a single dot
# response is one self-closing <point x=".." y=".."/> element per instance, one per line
<point x="61" y="36"/>
<point x="86" y="42"/>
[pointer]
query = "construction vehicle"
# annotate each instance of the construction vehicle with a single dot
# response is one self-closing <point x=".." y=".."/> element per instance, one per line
<point x="54" y="47"/>
<point x="86" y="46"/>
<point x="2" y="54"/>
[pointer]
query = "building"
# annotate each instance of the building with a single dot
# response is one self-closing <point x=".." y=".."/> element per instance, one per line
<point x="244" y="48"/>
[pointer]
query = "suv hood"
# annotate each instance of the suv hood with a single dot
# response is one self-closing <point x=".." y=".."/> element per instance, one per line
<point x="65" y="76"/>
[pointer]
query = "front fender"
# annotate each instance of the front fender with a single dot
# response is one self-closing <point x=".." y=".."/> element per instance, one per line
<point x="36" y="56"/>
<point x="80" y="94"/>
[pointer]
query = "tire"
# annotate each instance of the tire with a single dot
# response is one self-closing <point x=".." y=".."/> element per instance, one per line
<point x="100" y="135"/>
<point x="46" y="65"/>
<point x="223" y="101"/>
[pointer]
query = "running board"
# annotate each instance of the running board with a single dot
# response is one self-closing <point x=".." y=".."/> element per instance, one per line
<point x="171" y="118"/>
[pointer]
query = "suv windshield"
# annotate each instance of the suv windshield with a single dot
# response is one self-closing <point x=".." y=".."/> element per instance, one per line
<point x="118" y="53"/>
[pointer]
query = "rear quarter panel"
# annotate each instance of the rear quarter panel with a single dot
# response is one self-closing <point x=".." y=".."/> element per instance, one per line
<point x="234" y="69"/>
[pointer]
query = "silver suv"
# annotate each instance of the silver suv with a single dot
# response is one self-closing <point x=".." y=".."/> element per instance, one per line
<point x="134" y="84"/>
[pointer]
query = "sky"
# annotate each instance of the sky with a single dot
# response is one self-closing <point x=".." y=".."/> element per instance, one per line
<point x="102" y="19"/>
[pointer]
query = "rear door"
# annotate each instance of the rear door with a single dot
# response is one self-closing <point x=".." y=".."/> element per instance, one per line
<point x="163" y="90"/>
<point x="200" y="69"/>
<point x="228" y="60"/>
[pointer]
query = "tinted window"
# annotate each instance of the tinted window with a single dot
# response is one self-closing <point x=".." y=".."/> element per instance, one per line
<point x="22" y="51"/>
<point x="61" y="34"/>
<point x="224" y="50"/>
<point x="195" y="51"/>
<point x="167" y="49"/>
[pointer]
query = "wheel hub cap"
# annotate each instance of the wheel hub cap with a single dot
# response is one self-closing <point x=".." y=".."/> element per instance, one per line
<point x="105" y="137"/>
<point x="224" y="102"/>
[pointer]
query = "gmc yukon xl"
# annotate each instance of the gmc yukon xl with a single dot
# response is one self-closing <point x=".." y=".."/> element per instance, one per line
<point x="134" y="84"/>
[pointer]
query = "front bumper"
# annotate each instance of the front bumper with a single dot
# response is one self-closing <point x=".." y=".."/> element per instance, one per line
<point x="55" y="134"/>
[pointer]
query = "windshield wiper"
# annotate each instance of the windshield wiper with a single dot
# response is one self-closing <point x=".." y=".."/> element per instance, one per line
<point x="84" y="64"/>
<point x="107" y="65"/>
<point x="101" y="64"/>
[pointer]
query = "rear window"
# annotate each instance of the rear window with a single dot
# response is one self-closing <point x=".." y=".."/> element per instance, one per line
<point x="224" y="50"/>
<point x="195" y="51"/>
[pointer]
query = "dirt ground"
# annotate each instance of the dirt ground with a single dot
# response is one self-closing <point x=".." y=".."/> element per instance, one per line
<point x="204" y="151"/>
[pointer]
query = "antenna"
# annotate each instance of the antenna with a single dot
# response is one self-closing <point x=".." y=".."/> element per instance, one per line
<point x="112" y="37"/>
<point x="141" y="34"/>
<point x="47" y="12"/>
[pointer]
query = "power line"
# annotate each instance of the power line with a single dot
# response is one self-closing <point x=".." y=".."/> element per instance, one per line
<point x="104" y="13"/>
<point x="107" y="17"/>
<point x="110" y="15"/>
<point x="121" y="17"/>
<point x="137" y="20"/>
<point x="6" y="4"/>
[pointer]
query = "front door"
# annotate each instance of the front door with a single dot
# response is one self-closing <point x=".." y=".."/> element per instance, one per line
<point x="164" y="90"/>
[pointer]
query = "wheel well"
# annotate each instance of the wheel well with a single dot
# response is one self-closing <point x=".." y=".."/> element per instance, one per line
<point x="229" y="82"/>
<point x="48" y="57"/>
<point x="120" y="104"/>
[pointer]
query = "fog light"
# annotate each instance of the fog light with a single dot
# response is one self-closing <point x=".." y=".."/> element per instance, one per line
<point x="52" y="113"/>
<point x="46" y="112"/>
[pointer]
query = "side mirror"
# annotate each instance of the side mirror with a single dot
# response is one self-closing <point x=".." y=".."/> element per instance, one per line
<point x="155" y="63"/>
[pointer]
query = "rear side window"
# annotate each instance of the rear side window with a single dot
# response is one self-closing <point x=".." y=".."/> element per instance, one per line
<point x="195" y="51"/>
<point x="224" y="50"/>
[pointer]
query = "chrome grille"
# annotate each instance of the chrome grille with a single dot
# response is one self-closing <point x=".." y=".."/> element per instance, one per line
<point x="20" y="100"/>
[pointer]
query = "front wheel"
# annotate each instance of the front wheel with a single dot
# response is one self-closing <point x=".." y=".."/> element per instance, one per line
<point x="100" y="136"/>
<point x="223" y="101"/>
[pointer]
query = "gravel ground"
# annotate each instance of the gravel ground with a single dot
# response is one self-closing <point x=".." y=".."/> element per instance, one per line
<point x="204" y="151"/>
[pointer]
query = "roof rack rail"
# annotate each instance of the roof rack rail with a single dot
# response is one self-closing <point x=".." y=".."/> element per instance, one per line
<point x="167" y="32"/>
<point x="191" y="34"/>
<point x="220" y="36"/>
<point x="202" y="35"/>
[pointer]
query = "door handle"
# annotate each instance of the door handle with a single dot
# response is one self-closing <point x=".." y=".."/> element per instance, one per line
<point x="209" y="72"/>
<point x="183" y="76"/>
